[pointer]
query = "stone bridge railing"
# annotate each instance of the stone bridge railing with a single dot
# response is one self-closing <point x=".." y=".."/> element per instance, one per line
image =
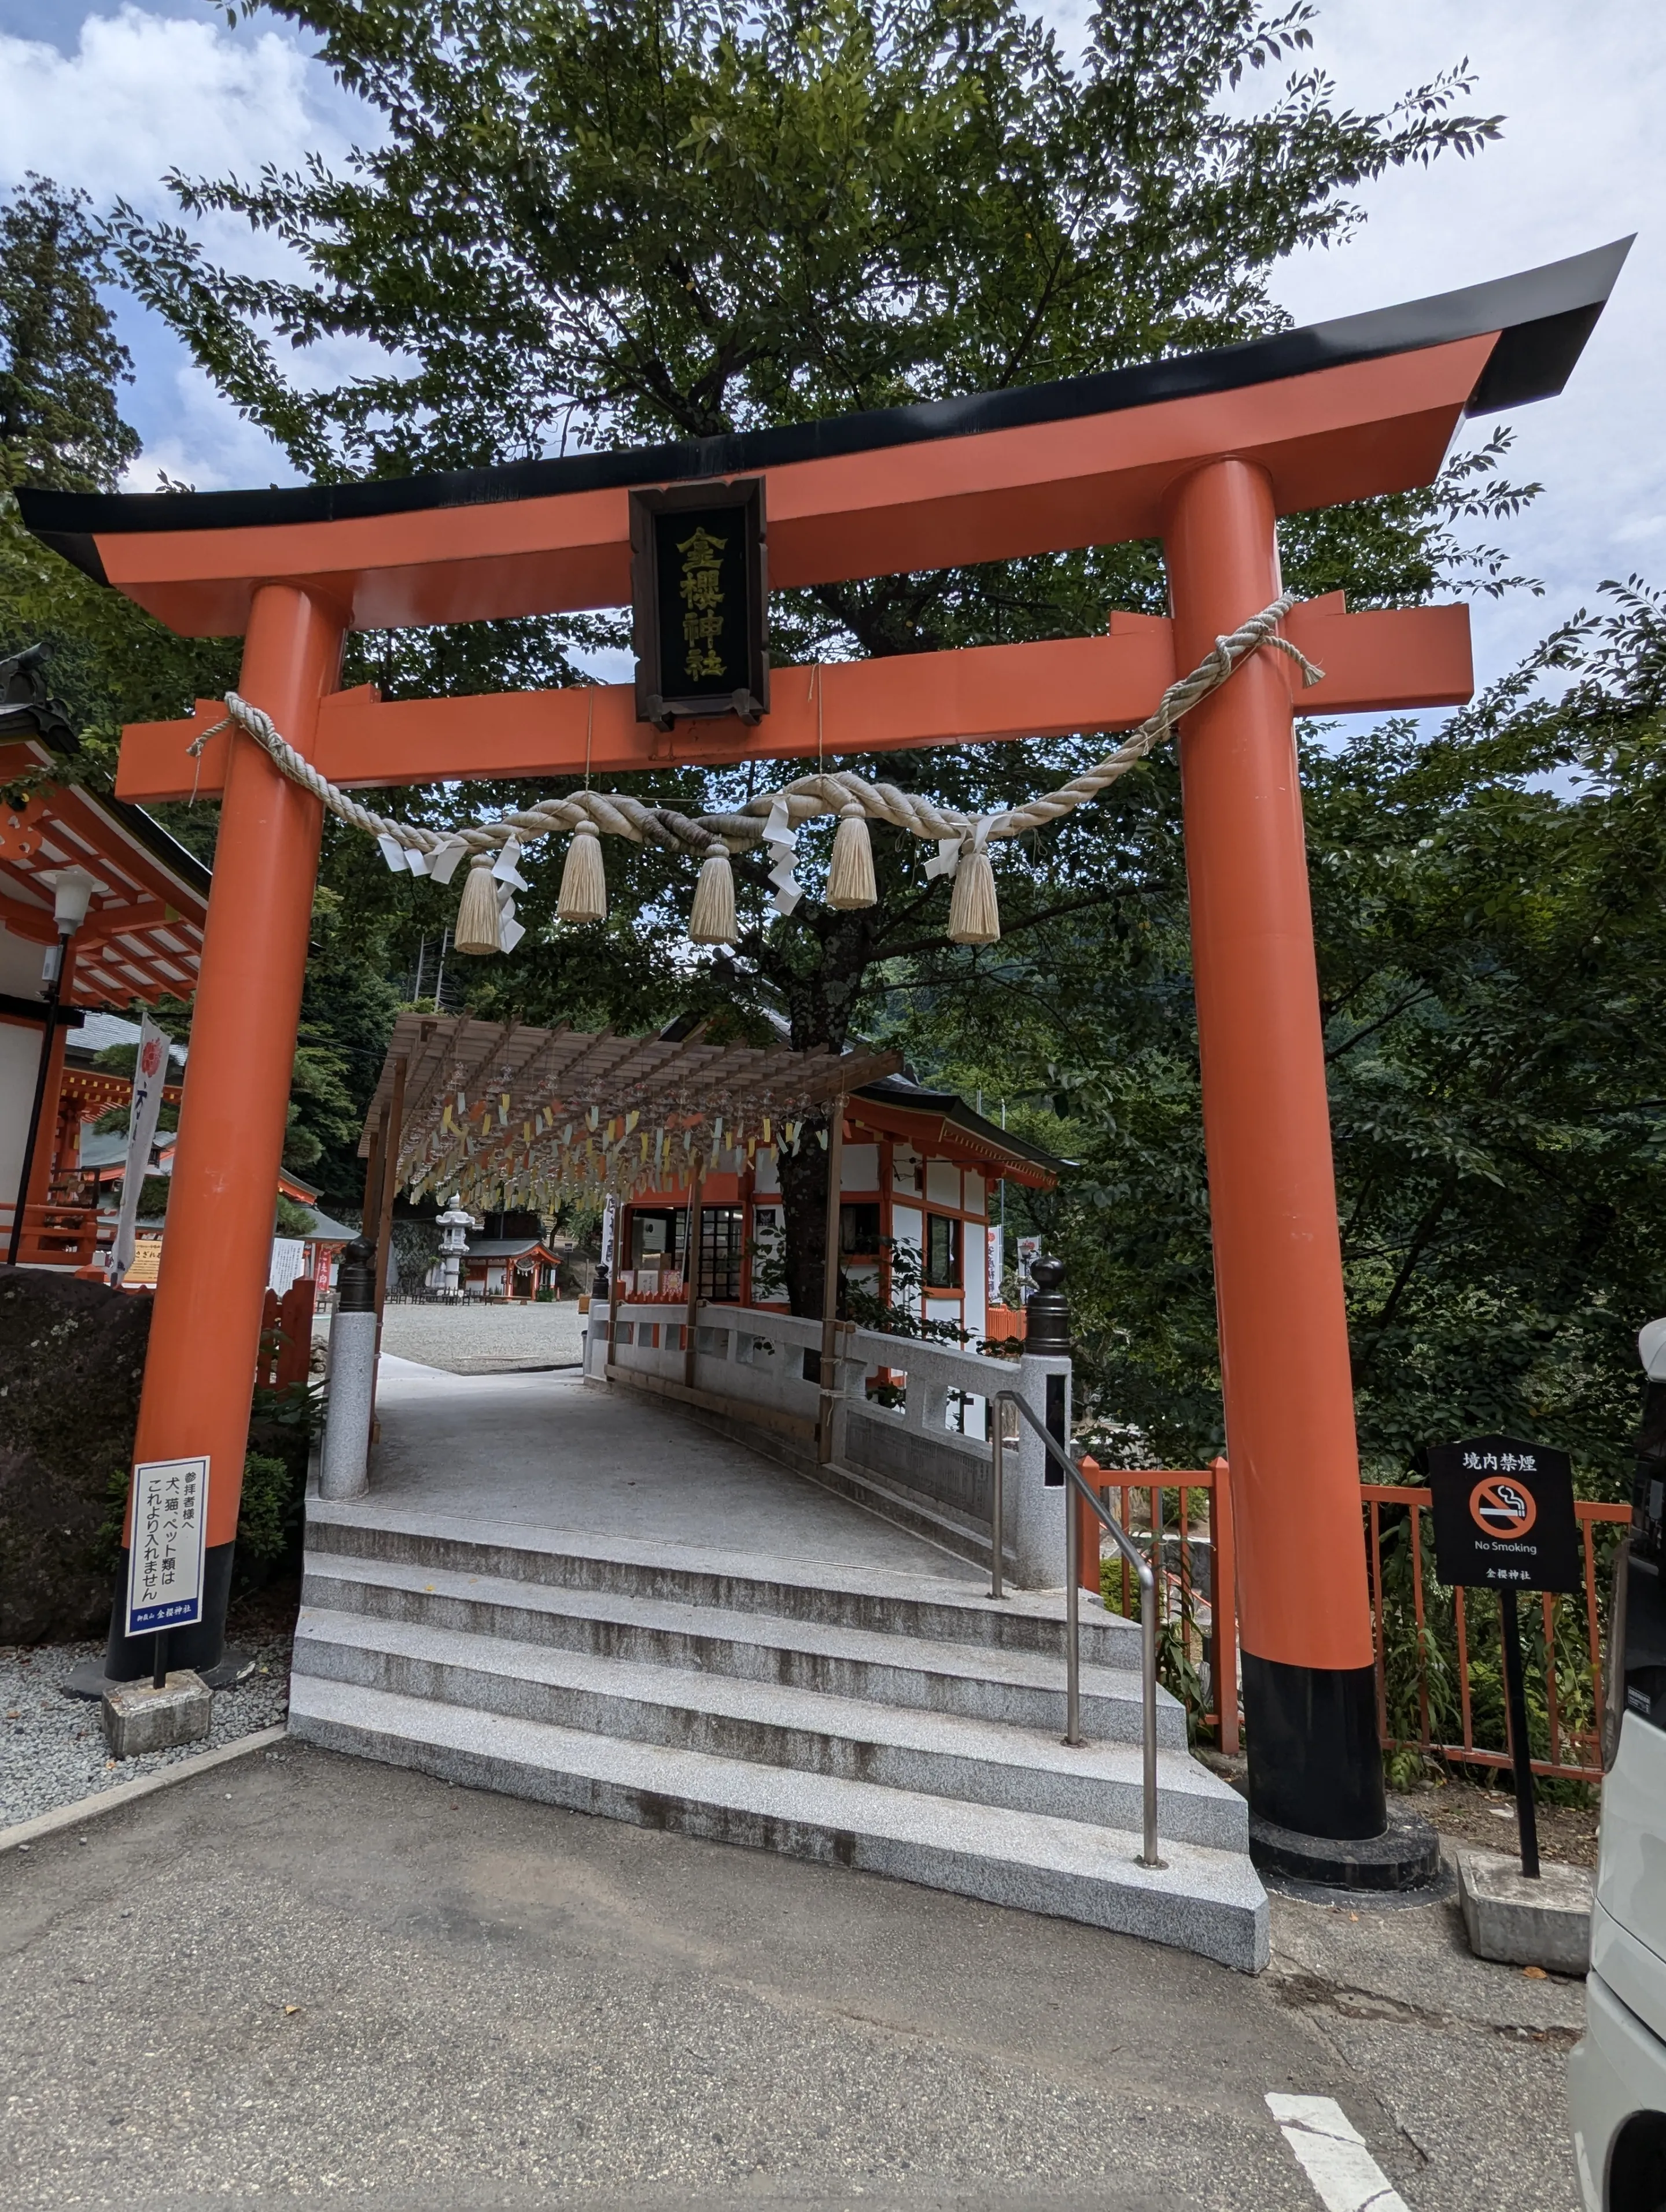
<point x="906" y="1410"/>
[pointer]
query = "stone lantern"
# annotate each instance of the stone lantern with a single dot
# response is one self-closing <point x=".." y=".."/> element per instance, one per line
<point x="455" y="1224"/>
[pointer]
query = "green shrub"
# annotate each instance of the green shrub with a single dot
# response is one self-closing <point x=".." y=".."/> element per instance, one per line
<point x="267" y="1510"/>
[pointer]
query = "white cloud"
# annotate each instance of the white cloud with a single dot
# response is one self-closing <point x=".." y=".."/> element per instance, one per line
<point x="195" y="438"/>
<point x="143" y="93"/>
<point x="1582" y="160"/>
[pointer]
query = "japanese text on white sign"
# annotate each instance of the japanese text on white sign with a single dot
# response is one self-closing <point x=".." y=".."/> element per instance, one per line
<point x="165" y="1568"/>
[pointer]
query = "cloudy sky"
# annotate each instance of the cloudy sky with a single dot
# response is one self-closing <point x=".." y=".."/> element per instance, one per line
<point x="108" y="95"/>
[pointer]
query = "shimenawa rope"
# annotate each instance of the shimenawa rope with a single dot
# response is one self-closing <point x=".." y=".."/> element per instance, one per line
<point x="773" y="817"/>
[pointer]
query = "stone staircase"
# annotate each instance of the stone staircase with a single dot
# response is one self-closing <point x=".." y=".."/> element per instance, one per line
<point x="897" y="1724"/>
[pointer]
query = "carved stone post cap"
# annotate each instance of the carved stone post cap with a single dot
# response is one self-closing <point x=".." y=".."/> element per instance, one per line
<point x="355" y="1284"/>
<point x="1047" y="1315"/>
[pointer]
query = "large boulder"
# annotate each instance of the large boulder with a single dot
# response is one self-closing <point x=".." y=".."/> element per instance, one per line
<point x="71" y="1359"/>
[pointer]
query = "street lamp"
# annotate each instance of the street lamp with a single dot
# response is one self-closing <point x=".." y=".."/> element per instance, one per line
<point x="72" y="894"/>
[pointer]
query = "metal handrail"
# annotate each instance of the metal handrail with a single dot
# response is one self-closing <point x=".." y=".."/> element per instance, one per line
<point x="1072" y="1657"/>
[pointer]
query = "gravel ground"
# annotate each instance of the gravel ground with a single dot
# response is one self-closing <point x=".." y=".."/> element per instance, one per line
<point x="1470" y="1813"/>
<point x="1474" y="1814"/>
<point x="52" y="1747"/>
<point x="475" y="1337"/>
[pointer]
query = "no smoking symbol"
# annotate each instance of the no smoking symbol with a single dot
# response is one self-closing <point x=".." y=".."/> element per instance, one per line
<point x="1502" y="1508"/>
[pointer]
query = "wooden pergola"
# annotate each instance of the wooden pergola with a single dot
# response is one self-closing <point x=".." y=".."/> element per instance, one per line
<point x="491" y="1106"/>
<point x="484" y="1108"/>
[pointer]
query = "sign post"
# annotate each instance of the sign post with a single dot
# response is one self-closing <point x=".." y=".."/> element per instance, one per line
<point x="1505" y="1521"/>
<point x="700" y="602"/>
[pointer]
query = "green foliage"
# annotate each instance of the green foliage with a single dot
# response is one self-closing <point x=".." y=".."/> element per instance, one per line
<point x="1487" y="905"/>
<point x="1179" y="1642"/>
<point x="60" y="359"/>
<point x="282" y="1425"/>
<point x="593" y="222"/>
<point x="903" y="1313"/>
<point x="292" y="1220"/>
<point x="1423" y="1675"/>
<point x="61" y="427"/>
<point x="263" y="1517"/>
<point x="153" y="1197"/>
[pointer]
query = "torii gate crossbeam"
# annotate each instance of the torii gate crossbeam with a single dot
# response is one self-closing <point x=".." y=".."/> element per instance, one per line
<point x="1204" y="451"/>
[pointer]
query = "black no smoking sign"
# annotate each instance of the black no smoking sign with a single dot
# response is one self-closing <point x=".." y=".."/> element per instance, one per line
<point x="1503" y="1516"/>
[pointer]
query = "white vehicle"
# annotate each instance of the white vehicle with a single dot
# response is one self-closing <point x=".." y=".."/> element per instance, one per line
<point x="1617" y="2075"/>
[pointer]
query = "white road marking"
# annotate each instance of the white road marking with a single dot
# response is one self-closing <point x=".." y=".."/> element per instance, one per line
<point x="1333" y="2154"/>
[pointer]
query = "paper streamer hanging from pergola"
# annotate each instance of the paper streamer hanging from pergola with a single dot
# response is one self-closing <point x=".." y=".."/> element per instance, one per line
<point x="529" y="1118"/>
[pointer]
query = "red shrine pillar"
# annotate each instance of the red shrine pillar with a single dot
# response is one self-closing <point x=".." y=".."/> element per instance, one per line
<point x="1308" y="1684"/>
<point x="205" y="1331"/>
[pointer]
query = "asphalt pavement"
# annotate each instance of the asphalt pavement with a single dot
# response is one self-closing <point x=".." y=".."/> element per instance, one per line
<point x="303" y="1976"/>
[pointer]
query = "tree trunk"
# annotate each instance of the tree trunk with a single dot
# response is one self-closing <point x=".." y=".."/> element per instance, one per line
<point x="804" y="1209"/>
<point x="819" y="1001"/>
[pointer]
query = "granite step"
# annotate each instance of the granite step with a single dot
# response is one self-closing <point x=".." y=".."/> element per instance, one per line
<point x="938" y="1754"/>
<point x="948" y="1607"/>
<point x="1206" y="1901"/>
<point x="980" y="1681"/>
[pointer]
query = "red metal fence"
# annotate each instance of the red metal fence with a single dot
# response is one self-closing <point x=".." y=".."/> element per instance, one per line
<point x="1440" y="1662"/>
<point x="1197" y="1641"/>
<point x="1437" y="1663"/>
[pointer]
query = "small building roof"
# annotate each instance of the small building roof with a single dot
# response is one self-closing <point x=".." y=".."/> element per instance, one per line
<point x="323" y="1231"/>
<point x="509" y="1247"/>
<point x="941" y="1124"/>
<point x="143" y="936"/>
<point x="97" y="1031"/>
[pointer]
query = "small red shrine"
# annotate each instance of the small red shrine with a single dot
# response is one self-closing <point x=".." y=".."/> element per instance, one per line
<point x="919" y="1219"/>
<point x="141" y="938"/>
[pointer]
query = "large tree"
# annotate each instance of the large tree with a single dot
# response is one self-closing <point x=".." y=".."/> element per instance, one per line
<point x="1492" y="959"/>
<point x="607" y="221"/>
<point x="61" y="366"/>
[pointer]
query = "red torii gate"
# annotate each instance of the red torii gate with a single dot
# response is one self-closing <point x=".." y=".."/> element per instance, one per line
<point x="1205" y="453"/>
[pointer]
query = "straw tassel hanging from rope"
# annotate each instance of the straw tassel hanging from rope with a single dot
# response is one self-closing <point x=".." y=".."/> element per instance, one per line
<point x="583" y="879"/>
<point x="486" y="920"/>
<point x="974" y="910"/>
<point x="850" y="877"/>
<point x="712" y="921"/>
<point x="478" y="927"/>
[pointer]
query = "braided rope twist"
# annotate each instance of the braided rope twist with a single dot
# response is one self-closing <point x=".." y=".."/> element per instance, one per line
<point x="838" y="791"/>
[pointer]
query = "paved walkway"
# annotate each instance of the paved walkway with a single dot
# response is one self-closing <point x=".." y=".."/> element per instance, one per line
<point x="302" y="1977"/>
<point x="553" y="1453"/>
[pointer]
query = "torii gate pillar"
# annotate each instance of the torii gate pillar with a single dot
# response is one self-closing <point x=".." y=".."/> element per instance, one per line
<point x="1309" y="1679"/>
<point x="205" y="1330"/>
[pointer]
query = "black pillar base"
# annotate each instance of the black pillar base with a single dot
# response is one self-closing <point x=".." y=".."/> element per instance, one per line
<point x="1406" y="1856"/>
<point x="1317" y="1809"/>
<point x="126" y="1658"/>
<point x="1310" y="1734"/>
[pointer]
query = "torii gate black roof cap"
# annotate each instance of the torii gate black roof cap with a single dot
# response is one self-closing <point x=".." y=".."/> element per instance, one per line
<point x="1543" y="316"/>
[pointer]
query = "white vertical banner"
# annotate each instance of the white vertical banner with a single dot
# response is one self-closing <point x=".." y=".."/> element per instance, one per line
<point x="149" y="1074"/>
<point x="165" y="1545"/>
<point x="287" y="1262"/>
<point x="995" y="1247"/>
<point x="607" y="1234"/>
